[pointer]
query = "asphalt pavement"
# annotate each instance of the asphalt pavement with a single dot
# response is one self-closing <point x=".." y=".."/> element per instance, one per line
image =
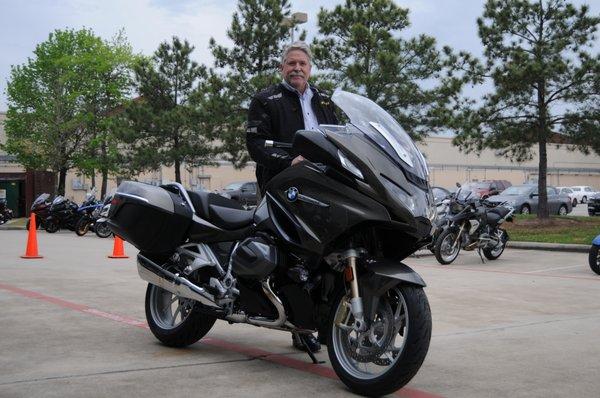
<point x="73" y="325"/>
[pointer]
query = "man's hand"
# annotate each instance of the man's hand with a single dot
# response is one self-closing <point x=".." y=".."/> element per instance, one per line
<point x="297" y="160"/>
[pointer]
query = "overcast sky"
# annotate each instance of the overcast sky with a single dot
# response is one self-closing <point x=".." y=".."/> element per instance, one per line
<point x="25" y="23"/>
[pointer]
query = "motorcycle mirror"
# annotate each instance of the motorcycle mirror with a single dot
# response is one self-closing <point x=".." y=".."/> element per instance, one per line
<point x="458" y="185"/>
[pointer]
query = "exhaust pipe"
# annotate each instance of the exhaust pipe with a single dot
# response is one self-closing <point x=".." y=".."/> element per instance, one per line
<point x="154" y="274"/>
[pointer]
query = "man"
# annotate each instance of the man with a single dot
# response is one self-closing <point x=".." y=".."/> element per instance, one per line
<point x="276" y="113"/>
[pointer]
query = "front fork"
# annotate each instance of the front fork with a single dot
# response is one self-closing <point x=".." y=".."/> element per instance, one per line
<point x="356" y="302"/>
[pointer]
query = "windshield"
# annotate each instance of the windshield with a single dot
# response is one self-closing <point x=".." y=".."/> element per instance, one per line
<point x="383" y="129"/>
<point x="58" y="199"/>
<point x="41" y="198"/>
<point x="515" y="191"/>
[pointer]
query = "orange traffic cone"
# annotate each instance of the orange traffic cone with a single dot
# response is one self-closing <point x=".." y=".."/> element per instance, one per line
<point x="32" y="247"/>
<point x="118" y="251"/>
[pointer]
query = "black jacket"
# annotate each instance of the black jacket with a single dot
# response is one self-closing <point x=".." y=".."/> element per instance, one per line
<point x="276" y="114"/>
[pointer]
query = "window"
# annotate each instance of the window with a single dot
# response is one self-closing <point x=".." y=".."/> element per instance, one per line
<point x="576" y="189"/>
<point x="588" y="189"/>
<point x="550" y="191"/>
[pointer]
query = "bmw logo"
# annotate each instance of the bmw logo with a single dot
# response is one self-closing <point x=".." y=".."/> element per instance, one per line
<point x="292" y="194"/>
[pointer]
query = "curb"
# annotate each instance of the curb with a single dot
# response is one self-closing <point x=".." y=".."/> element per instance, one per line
<point x="559" y="247"/>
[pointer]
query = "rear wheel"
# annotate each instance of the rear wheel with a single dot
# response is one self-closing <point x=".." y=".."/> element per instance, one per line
<point x="175" y="321"/>
<point x="387" y="356"/>
<point x="594" y="258"/>
<point x="51" y="226"/>
<point x="495" y="252"/>
<point x="584" y="199"/>
<point x="562" y="210"/>
<point x="447" y="247"/>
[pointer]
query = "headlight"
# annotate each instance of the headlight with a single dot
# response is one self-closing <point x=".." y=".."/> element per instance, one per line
<point x="348" y="165"/>
<point x="419" y="207"/>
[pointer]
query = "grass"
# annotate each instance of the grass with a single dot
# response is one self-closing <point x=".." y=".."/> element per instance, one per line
<point x="568" y="229"/>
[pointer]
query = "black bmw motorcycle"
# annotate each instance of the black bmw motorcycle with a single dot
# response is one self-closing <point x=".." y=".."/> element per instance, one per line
<point x="321" y="252"/>
<point x="62" y="214"/>
<point x="41" y="208"/>
<point x="472" y="223"/>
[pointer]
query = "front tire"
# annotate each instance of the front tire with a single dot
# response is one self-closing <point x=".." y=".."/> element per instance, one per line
<point x="594" y="258"/>
<point x="175" y="321"/>
<point x="525" y="209"/>
<point x="51" y="227"/>
<point x="402" y="326"/>
<point x="102" y="230"/>
<point x="445" y="249"/>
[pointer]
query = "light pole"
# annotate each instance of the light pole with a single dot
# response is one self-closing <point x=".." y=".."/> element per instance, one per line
<point x="295" y="19"/>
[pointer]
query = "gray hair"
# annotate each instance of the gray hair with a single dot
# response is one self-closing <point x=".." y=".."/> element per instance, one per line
<point x="297" y="45"/>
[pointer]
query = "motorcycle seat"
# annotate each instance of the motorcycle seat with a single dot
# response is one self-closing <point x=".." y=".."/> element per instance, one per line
<point x="220" y="211"/>
<point x="500" y="210"/>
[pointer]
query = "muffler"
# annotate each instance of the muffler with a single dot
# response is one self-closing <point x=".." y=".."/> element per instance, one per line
<point x="156" y="275"/>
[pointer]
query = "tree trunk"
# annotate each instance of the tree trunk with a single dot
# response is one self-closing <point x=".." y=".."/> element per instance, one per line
<point x="93" y="178"/>
<point x="542" y="212"/>
<point x="177" y="161"/>
<point x="177" y="171"/>
<point x="62" y="177"/>
<point x="104" y="183"/>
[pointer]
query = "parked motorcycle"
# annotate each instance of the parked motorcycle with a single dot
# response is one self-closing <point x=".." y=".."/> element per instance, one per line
<point x="89" y="212"/>
<point x="594" y="255"/>
<point x="472" y="224"/>
<point x="321" y="252"/>
<point x="62" y="214"/>
<point x="101" y="226"/>
<point x="5" y="212"/>
<point x="41" y="208"/>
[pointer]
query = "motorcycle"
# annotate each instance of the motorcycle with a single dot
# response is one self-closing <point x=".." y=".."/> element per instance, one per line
<point x="472" y="224"/>
<point x="101" y="225"/>
<point x="41" y="208"/>
<point x="594" y="255"/>
<point x="62" y="214"/>
<point x="89" y="212"/>
<point x="319" y="253"/>
<point x="5" y="212"/>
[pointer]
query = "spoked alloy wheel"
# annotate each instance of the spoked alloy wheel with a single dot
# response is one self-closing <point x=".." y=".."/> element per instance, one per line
<point x="496" y="251"/>
<point x="174" y="320"/>
<point x="447" y="247"/>
<point x="385" y="357"/>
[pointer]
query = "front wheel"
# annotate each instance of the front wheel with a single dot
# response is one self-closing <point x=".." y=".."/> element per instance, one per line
<point x="388" y="355"/>
<point x="595" y="258"/>
<point x="447" y="247"/>
<point x="562" y="210"/>
<point x="525" y="209"/>
<point x="102" y="229"/>
<point x="83" y="226"/>
<point x="175" y="321"/>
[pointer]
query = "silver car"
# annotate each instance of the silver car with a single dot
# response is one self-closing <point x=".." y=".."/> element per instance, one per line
<point x="524" y="198"/>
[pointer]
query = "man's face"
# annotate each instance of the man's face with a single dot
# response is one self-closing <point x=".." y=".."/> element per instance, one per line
<point x="296" y="69"/>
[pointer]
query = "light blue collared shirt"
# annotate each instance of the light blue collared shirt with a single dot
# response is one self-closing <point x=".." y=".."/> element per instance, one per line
<point x="310" y="119"/>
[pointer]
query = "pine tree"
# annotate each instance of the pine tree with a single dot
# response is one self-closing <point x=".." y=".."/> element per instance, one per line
<point x="361" y="50"/>
<point x="546" y="82"/>
<point x="249" y="66"/>
<point x="163" y="121"/>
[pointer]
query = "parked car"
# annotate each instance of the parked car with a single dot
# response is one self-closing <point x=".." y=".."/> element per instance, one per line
<point x="245" y="192"/>
<point x="593" y="205"/>
<point x="569" y="192"/>
<point x="439" y="193"/>
<point x="583" y="193"/>
<point x="486" y="188"/>
<point x="524" y="198"/>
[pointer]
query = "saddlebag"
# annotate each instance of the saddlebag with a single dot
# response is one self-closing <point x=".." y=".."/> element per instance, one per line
<point x="151" y="218"/>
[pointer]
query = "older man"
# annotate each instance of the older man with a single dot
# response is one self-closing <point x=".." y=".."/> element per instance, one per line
<point x="276" y="113"/>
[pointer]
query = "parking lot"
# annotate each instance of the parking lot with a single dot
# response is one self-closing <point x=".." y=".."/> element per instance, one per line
<point x="73" y="325"/>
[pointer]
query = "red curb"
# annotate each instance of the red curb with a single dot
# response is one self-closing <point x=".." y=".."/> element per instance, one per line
<point x="251" y="352"/>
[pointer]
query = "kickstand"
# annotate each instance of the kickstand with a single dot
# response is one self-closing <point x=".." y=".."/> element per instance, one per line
<point x="308" y="351"/>
<point x="479" y="252"/>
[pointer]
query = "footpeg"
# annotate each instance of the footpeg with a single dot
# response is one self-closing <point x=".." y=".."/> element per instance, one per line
<point x="298" y="274"/>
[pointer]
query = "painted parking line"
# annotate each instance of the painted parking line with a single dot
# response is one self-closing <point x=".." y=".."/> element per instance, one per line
<point x="554" y="269"/>
<point x="251" y="352"/>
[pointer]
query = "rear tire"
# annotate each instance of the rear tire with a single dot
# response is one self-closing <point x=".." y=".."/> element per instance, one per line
<point x="51" y="227"/>
<point x="444" y="252"/>
<point x="594" y="259"/>
<point x="562" y="210"/>
<point x="496" y="252"/>
<point x="192" y="324"/>
<point x="414" y="332"/>
<point x="584" y="199"/>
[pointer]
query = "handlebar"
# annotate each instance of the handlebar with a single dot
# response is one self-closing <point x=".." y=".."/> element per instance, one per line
<point x="276" y="144"/>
